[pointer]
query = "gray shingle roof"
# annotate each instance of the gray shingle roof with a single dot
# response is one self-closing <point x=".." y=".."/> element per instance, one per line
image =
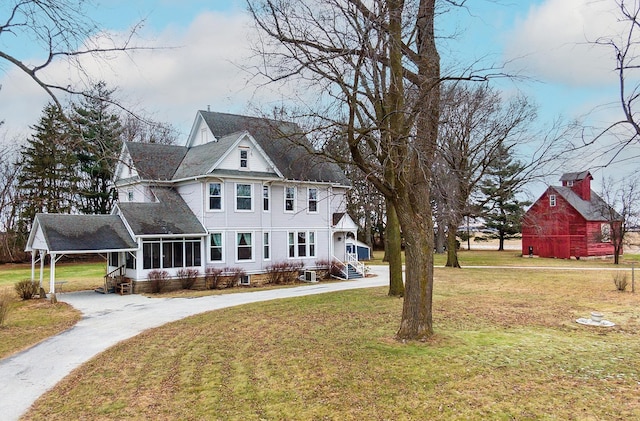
<point x="170" y="215"/>
<point x="85" y="233"/>
<point x="594" y="210"/>
<point x="200" y="159"/>
<point x="283" y="142"/>
<point x="156" y="161"/>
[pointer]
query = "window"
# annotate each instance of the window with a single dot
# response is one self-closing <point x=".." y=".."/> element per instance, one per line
<point x="266" y="247"/>
<point x="302" y="244"/>
<point x="243" y="197"/>
<point x="266" y="193"/>
<point x="151" y="254"/>
<point x="245" y="246"/>
<point x="570" y="183"/>
<point x="131" y="261"/>
<point x="244" y="158"/>
<point x="203" y="135"/>
<point x="130" y="195"/>
<point x="192" y="253"/>
<point x="312" y="201"/>
<point x="245" y="280"/>
<point x="605" y="233"/>
<point x="552" y="200"/>
<point x="215" y="254"/>
<point x="113" y="259"/>
<point x="215" y="196"/>
<point x="289" y="199"/>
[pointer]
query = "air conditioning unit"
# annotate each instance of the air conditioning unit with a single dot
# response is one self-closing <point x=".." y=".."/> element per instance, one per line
<point x="310" y="276"/>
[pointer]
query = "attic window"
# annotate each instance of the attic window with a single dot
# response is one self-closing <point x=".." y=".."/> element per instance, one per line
<point x="203" y="135"/>
<point x="244" y="158"/>
<point x="552" y="200"/>
<point x="569" y="183"/>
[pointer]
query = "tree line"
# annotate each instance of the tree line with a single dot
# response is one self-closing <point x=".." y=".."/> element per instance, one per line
<point x="67" y="164"/>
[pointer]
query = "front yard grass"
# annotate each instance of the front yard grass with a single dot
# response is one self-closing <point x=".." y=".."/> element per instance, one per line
<point x="506" y="347"/>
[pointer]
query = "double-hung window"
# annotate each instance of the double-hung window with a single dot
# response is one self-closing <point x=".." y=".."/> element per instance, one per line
<point x="302" y="244"/>
<point x="244" y="201"/>
<point x="312" y="200"/>
<point x="289" y="199"/>
<point x="266" y="198"/>
<point x="244" y="246"/>
<point x="266" y="246"/>
<point x="216" y="247"/>
<point x="552" y="200"/>
<point x="244" y="158"/>
<point x="215" y="196"/>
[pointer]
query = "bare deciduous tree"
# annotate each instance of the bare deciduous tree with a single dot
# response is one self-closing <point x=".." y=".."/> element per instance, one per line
<point x="379" y="69"/>
<point x="622" y="212"/>
<point x="63" y="31"/>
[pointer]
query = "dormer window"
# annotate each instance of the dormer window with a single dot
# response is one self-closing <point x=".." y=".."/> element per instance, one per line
<point x="569" y="183"/>
<point x="552" y="200"/>
<point x="244" y="158"/>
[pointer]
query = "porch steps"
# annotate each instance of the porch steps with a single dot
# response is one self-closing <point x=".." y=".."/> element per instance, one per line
<point x="353" y="273"/>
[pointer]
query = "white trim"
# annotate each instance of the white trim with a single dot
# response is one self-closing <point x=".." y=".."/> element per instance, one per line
<point x="266" y="244"/>
<point x="317" y="201"/>
<point x="208" y="197"/>
<point x="268" y="198"/>
<point x="222" y="247"/>
<point x="295" y="198"/>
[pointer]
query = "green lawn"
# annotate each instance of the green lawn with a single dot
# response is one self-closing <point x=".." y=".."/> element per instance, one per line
<point x="79" y="276"/>
<point x="506" y="347"/>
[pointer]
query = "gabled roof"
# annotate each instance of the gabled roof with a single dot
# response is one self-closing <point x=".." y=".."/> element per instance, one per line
<point x="595" y="209"/>
<point x="575" y="176"/>
<point x="283" y="142"/>
<point x="68" y="234"/>
<point x="155" y="161"/>
<point x="170" y="215"/>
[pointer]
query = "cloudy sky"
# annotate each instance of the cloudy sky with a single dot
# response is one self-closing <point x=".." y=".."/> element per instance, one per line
<point x="546" y="40"/>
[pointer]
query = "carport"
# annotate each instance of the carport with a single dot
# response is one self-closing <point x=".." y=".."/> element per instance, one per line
<point x="58" y="235"/>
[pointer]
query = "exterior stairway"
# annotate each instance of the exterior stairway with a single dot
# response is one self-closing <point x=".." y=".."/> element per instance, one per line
<point x="353" y="272"/>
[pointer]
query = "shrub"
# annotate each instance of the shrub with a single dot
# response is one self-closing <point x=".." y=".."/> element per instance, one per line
<point x="212" y="278"/>
<point x="6" y="305"/>
<point x="620" y="280"/>
<point x="188" y="277"/>
<point x="232" y="276"/>
<point x="27" y="289"/>
<point x="158" y="279"/>
<point x="284" y="272"/>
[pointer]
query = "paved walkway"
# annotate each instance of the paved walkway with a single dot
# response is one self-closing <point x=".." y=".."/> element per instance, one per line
<point x="109" y="319"/>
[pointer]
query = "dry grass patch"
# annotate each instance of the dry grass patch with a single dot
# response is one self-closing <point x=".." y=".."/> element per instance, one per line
<point x="33" y="321"/>
<point x="507" y="347"/>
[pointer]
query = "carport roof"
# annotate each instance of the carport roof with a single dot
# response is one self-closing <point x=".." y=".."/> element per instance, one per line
<point x="75" y="234"/>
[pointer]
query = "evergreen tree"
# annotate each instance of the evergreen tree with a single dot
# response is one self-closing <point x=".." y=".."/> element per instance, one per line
<point x="98" y="144"/>
<point x="501" y="210"/>
<point x="47" y="181"/>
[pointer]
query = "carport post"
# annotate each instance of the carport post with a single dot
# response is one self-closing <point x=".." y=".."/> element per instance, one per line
<point x="52" y="275"/>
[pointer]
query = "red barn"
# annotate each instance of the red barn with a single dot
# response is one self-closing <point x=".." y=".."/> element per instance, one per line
<point x="569" y="221"/>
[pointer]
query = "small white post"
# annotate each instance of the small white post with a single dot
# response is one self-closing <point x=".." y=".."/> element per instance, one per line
<point x="52" y="274"/>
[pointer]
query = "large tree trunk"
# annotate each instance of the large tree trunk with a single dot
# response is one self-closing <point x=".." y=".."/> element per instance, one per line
<point x="417" y="323"/>
<point x="394" y="252"/>
<point x="452" y="247"/>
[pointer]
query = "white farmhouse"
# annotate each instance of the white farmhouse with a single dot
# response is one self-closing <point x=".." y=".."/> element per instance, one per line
<point x="244" y="192"/>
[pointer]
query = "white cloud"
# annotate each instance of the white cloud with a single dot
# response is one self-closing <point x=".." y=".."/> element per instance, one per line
<point x="191" y="68"/>
<point x="554" y="42"/>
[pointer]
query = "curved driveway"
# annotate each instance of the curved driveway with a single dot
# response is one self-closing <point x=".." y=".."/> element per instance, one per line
<point x="109" y="319"/>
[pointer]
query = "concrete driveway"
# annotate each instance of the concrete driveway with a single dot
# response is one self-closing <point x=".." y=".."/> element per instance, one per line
<point x="109" y="319"/>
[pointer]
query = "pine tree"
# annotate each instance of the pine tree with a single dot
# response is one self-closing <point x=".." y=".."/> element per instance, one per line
<point x="47" y="180"/>
<point x="501" y="209"/>
<point x="98" y="143"/>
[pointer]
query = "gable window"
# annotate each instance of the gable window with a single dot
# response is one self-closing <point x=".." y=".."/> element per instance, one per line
<point x="203" y="135"/>
<point x="266" y="247"/>
<point x="552" y="200"/>
<point x="215" y="196"/>
<point x="312" y="200"/>
<point x="215" y="249"/>
<point x="289" y="199"/>
<point x="244" y="158"/>
<point x="130" y="195"/>
<point x="243" y="197"/>
<point x="244" y="246"/>
<point x="266" y="194"/>
<point x="302" y="244"/>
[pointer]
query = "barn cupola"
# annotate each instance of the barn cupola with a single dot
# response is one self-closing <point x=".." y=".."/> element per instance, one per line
<point x="579" y="182"/>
